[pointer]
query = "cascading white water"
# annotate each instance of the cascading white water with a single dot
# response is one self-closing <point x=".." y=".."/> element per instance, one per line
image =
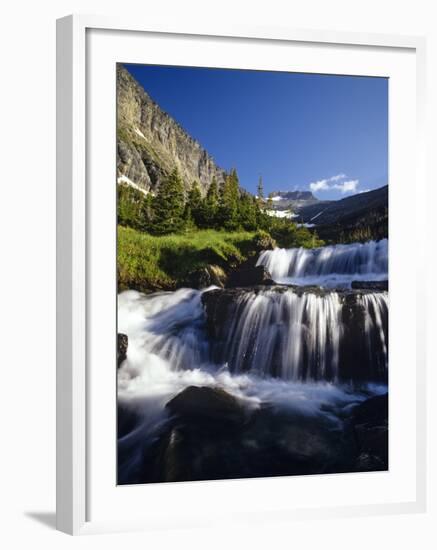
<point x="283" y="348"/>
<point x="375" y="308"/>
<point x="293" y="337"/>
<point x="328" y="266"/>
<point x="302" y="336"/>
<point x="310" y="352"/>
<point x="284" y="334"/>
<point x="169" y="350"/>
<point x="165" y="330"/>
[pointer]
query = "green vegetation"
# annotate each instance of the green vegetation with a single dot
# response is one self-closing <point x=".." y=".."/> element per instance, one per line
<point x="290" y="235"/>
<point x="148" y="262"/>
<point x="169" y="205"/>
<point x="164" y="239"/>
<point x="227" y="208"/>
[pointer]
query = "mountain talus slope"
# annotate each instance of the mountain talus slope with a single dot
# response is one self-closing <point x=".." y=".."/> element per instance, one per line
<point x="150" y="143"/>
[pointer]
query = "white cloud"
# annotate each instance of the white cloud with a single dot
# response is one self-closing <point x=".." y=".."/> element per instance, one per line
<point x="335" y="183"/>
<point x="321" y="185"/>
<point x="347" y="186"/>
<point x="338" y="177"/>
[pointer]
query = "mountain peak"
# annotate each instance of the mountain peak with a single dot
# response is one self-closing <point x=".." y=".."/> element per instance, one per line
<point x="294" y="195"/>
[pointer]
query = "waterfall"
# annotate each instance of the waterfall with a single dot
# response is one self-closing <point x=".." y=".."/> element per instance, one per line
<point x="309" y="352"/>
<point x="280" y="333"/>
<point x="334" y="336"/>
<point x="331" y="266"/>
<point x="284" y="334"/>
<point x="375" y="326"/>
<point x="164" y="327"/>
<point x="297" y="359"/>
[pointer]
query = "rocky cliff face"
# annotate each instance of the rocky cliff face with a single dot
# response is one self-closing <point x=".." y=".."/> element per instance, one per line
<point x="150" y="143"/>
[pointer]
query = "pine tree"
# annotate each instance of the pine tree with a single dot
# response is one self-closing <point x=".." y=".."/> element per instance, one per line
<point x="247" y="212"/>
<point x="145" y="213"/>
<point x="263" y="220"/>
<point x="260" y="189"/>
<point x="187" y="217"/>
<point x="133" y="208"/>
<point x="126" y="205"/>
<point x="168" y="205"/>
<point x="260" y="199"/>
<point x="211" y="204"/>
<point x="228" y="206"/>
<point x="195" y="204"/>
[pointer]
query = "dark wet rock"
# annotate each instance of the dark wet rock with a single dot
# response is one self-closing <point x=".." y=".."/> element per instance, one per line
<point x="122" y="343"/>
<point x="209" y="434"/>
<point x="369" y="423"/>
<point x="127" y="420"/>
<point x="370" y="285"/>
<point x="267" y="443"/>
<point x="202" y="436"/>
<point x="250" y="276"/>
<point x="207" y="404"/>
<point x="290" y="443"/>
<point x="372" y="411"/>
<point x="210" y="275"/>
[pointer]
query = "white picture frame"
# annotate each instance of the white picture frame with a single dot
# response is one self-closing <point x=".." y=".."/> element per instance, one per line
<point x="74" y="462"/>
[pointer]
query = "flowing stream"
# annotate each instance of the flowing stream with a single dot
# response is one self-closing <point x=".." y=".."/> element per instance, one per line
<point x="333" y="266"/>
<point x="270" y="355"/>
<point x="312" y="350"/>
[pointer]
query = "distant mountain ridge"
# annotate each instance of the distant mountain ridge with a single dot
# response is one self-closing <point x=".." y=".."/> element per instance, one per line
<point x="360" y="217"/>
<point x="294" y="195"/>
<point x="327" y="212"/>
<point x="150" y="143"/>
<point x="291" y="200"/>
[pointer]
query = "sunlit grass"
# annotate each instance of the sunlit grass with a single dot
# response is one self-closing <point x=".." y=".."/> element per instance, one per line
<point x="148" y="262"/>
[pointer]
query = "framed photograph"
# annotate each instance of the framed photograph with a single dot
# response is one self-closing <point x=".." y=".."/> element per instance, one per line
<point x="238" y="321"/>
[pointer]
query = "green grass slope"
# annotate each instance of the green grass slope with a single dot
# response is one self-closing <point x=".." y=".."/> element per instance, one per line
<point x="147" y="263"/>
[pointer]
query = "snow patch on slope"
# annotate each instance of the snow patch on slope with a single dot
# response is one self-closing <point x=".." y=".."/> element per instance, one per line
<point x="127" y="181"/>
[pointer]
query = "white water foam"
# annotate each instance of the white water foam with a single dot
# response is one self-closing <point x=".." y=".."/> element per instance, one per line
<point x="329" y="266"/>
<point x="168" y="351"/>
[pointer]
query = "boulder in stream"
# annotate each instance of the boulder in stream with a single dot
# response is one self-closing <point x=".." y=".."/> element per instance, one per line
<point x="122" y="343"/>
<point x="205" y="403"/>
<point x="250" y="276"/>
<point x="207" y="276"/>
<point x="369" y="423"/>
<point x="211" y="436"/>
<point x="370" y="285"/>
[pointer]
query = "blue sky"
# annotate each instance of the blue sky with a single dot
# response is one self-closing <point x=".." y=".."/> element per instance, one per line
<point x="324" y="133"/>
